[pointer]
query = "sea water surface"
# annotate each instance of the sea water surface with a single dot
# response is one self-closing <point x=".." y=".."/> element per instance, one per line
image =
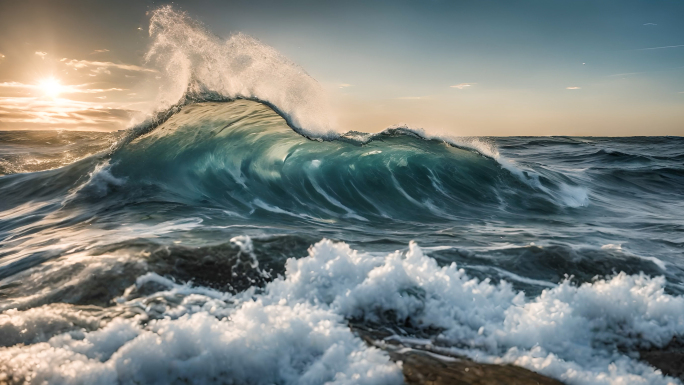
<point x="243" y="241"/>
<point x="225" y="247"/>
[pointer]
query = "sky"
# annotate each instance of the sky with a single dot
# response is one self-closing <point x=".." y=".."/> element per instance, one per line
<point x="487" y="67"/>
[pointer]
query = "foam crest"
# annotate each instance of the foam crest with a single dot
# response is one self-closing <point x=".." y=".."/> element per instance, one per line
<point x="481" y="145"/>
<point x="193" y="63"/>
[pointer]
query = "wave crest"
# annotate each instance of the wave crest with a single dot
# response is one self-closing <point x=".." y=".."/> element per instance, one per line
<point x="195" y="64"/>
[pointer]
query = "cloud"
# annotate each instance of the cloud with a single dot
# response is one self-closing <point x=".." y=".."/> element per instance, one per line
<point x="663" y="47"/>
<point x="412" y="98"/>
<point x="573" y="88"/>
<point x="15" y="85"/>
<point x="2" y="56"/>
<point x="92" y="90"/>
<point x="625" y="74"/>
<point x="41" y="54"/>
<point x="103" y="66"/>
<point x="463" y="86"/>
<point x="344" y="85"/>
<point x="64" y="89"/>
<point x="99" y="51"/>
<point x="650" y="24"/>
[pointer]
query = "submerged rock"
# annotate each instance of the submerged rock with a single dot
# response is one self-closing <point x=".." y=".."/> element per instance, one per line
<point x="669" y="359"/>
<point x="424" y="368"/>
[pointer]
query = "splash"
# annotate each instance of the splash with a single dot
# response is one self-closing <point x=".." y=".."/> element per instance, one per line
<point x="196" y="65"/>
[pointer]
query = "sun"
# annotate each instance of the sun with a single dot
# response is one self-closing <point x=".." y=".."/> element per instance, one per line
<point x="50" y="87"/>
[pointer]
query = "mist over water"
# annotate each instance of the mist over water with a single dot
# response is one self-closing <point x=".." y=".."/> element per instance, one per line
<point x="228" y="240"/>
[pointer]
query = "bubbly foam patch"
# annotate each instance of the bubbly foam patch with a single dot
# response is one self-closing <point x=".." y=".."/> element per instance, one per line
<point x="575" y="334"/>
<point x="295" y="329"/>
<point x="204" y="340"/>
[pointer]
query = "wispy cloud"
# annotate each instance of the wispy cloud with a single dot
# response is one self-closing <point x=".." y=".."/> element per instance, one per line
<point x="573" y="88"/>
<point x="625" y="74"/>
<point x="463" y="86"/>
<point x="41" y="54"/>
<point x="412" y="98"/>
<point x="99" y="51"/>
<point x="64" y="89"/>
<point x="650" y="24"/>
<point x="663" y="47"/>
<point x="103" y="65"/>
<point x="344" y="85"/>
<point x="16" y="85"/>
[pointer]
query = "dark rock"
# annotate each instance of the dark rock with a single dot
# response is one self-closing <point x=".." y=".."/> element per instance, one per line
<point x="423" y="368"/>
<point x="670" y="359"/>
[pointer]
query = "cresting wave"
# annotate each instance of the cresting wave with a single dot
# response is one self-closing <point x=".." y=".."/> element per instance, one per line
<point x="244" y="148"/>
<point x="196" y="65"/>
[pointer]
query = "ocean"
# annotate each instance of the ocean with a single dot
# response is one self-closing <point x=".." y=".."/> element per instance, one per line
<point x="230" y="240"/>
<point x="224" y="244"/>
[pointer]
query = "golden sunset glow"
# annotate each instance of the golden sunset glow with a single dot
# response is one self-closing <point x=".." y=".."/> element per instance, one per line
<point x="50" y="87"/>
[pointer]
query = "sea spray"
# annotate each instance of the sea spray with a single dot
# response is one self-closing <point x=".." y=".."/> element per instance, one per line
<point x="197" y="64"/>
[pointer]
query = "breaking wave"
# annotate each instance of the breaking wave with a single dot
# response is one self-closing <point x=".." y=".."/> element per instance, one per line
<point x="238" y="237"/>
<point x="196" y="65"/>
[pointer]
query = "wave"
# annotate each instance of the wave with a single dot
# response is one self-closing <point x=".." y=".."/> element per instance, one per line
<point x="241" y="156"/>
<point x="195" y="67"/>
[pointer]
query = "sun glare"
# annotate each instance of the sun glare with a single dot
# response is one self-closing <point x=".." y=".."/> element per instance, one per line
<point x="50" y="87"/>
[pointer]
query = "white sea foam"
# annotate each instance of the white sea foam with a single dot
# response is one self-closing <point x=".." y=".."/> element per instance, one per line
<point x="294" y="330"/>
<point x="40" y="323"/>
<point x="203" y="340"/>
<point x="568" y="332"/>
<point x="247" y="251"/>
<point x="482" y="146"/>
